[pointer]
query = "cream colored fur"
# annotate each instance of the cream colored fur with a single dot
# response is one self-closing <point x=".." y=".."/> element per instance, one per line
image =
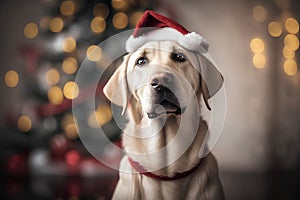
<point x="182" y="136"/>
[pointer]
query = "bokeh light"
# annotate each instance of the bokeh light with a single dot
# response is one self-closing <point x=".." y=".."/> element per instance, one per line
<point x="72" y="157"/>
<point x="275" y="29"/>
<point x="52" y="76"/>
<point x="70" y="65"/>
<point x="69" y="44"/>
<point x="67" y="8"/>
<point x="257" y="45"/>
<point x="259" y="13"/>
<point x="94" y="53"/>
<point x="120" y="4"/>
<point x="55" y="95"/>
<point x="120" y="20"/>
<point x="11" y="78"/>
<point x="288" y="53"/>
<point x="66" y="120"/>
<point x="71" y="131"/>
<point x="24" y="123"/>
<point x="56" y="24"/>
<point x="134" y="18"/>
<point x="69" y="126"/>
<point x="31" y="30"/>
<point x="100" y="117"/>
<point x="93" y="119"/>
<point x="259" y="61"/>
<point x="291" y="25"/>
<point x="71" y="90"/>
<point x="101" y="10"/>
<point x="291" y="41"/>
<point x="290" y="67"/>
<point x="105" y="110"/>
<point x="98" y="25"/>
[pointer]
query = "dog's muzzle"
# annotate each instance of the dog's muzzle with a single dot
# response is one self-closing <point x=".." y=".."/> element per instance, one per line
<point x="165" y="101"/>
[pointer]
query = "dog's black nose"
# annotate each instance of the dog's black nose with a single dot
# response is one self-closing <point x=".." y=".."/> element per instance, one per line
<point x="161" y="80"/>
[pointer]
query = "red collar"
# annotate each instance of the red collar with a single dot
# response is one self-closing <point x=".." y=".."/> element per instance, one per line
<point x="140" y="169"/>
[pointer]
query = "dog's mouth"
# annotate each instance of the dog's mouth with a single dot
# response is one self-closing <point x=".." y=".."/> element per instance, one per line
<point x="166" y="107"/>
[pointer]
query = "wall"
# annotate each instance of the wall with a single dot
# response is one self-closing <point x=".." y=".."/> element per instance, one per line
<point x="261" y="113"/>
<point x="13" y="17"/>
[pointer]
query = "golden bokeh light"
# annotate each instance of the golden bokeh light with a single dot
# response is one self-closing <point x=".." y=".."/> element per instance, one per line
<point x="101" y="10"/>
<point x="69" y="44"/>
<point x="105" y="109"/>
<point x="67" y="8"/>
<point x="71" y="131"/>
<point x="259" y="13"/>
<point x="100" y="117"/>
<point x="259" y="61"/>
<point x="70" y="65"/>
<point x="94" y="53"/>
<point x="71" y="90"/>
<point x="31" y="30"/>
<point x="93" y="119"/>
<point x="24" y="123"/>
<point x="291" y="25"/>
<point x="120" y="4"/>
<point x="288" y="53"/>
<point x="290" y="67"/>
<point x="56" y="24"/>
<point x="120" y="20"/>
<point x="291" y="41"/>
<point x="52" y="76"/>
<point x="11" y="78"/>
<point x="275" y="29"/>
<point x="98" y="25"/>
<point x="257" y="45"/>
<point x="69" y="126"/>
<point x="66" y="120"/>
<point x="55" y="95"/>
<point x="134" y="18"/>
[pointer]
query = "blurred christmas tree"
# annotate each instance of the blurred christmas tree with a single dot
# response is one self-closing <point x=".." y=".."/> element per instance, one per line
<point x="43" y="138"/>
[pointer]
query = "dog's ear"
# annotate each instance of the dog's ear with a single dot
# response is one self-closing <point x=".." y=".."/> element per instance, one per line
<point x="205" y="93"/>
<point x="211" y="80"/>
<point x="116" y="89"/>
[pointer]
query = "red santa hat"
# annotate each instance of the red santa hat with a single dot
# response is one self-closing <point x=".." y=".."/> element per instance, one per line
<point x="155" y="27"/>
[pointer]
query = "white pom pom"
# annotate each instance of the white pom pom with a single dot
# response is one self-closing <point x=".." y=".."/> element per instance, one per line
<point x="194" y="41"/>
<point x="134" y="43"/>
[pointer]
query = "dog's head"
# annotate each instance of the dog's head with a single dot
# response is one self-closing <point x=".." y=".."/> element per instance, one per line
<point x="157" y="80"/>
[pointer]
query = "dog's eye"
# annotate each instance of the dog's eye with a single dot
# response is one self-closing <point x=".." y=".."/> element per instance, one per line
<point x="178" y="57"/>
<point x="141" y="61"/>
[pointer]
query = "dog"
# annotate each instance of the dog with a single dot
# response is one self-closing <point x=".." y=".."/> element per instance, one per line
<point x="160" y="89"/>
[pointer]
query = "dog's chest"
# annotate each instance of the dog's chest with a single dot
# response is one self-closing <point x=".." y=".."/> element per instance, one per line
<point x="176" y="190"/>
<point x="153" y="189"/>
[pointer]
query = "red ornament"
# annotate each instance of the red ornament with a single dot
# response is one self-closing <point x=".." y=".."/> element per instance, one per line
<point x="17" y="164"/>
<point x="58" y="147"/>
<point x="72" y="158"/>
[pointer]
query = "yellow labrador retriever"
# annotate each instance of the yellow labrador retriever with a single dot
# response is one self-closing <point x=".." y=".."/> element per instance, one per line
<point x="159" y="88"/>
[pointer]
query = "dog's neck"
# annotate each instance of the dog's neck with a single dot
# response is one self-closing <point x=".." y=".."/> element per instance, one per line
<point x="166" y="146"/>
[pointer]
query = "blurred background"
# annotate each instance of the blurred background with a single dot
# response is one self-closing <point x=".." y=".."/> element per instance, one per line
<point x="43" y="43"/>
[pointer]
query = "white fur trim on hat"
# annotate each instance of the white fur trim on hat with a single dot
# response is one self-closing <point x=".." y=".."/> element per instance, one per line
<point x="191" y="41"/>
